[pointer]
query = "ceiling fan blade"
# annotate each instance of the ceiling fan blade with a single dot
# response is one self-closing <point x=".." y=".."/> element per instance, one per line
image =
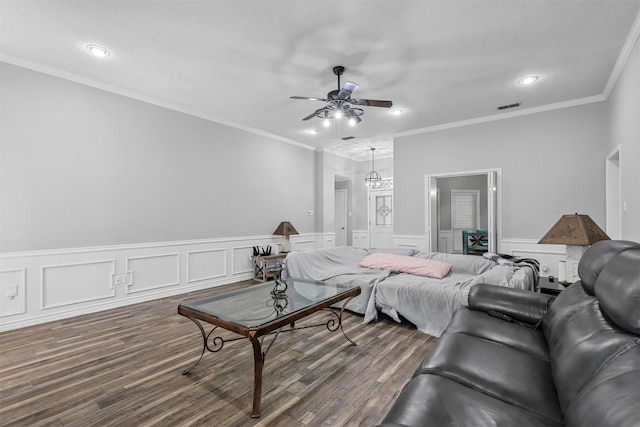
<point x="371" y="102"/>
<point x="308" y="98"/>
<point x="347" y="90"/>
<point x="314" y="114"/>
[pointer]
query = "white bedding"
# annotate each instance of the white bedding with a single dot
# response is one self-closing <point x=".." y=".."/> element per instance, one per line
<point x="428" y="303"/>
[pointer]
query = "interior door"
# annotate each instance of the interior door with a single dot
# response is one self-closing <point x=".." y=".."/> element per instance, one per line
<point x="380" y="218"/>
<point x="465" y="214"/>
<point x="341" y="217"/>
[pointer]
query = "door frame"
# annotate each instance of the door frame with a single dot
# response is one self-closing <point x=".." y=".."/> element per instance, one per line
<point x="345" y="213"/>
<point x="613" y="194"/>
<point x="494" y="206"/>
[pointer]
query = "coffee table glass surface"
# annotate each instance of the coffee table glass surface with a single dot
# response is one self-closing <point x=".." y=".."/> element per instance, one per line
<point x="255" y="306"/>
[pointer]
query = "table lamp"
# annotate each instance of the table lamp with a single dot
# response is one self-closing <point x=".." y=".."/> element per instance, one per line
<point x="578" y="232"/>
<point x="285" y="229"/>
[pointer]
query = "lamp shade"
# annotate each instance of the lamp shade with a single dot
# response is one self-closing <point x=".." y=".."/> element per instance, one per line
<point x="577" y="230"/>
<point x="285" y="229"/>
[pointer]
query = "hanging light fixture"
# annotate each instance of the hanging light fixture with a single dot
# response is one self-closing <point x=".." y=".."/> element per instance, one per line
<point x="372" y="177"/>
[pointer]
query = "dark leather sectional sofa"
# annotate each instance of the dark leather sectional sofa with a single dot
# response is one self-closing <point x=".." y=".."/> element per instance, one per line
<point x="580" y="367"/>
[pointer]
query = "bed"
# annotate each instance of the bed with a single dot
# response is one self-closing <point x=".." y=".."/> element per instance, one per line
<point x="428" y="303"/>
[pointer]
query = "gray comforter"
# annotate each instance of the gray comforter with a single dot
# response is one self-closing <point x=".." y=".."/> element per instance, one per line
<point x="428" y="303"/>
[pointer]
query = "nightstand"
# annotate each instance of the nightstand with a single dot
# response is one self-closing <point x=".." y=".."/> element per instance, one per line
<point x="549" y="287"/>
<point x="267" y="267"/>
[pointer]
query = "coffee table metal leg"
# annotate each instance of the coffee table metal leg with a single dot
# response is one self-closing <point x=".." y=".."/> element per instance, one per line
<point x="258" y="362"/>
<point x="218" y="343"/>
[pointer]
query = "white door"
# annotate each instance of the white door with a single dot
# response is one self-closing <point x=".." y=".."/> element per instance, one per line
<point x="380" y="218"/>
<point x="465" y="214"/>
<point x="341" y="217"/>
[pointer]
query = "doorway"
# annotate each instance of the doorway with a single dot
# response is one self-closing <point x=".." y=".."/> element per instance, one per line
<point x="442" y="234"/>
<point x="341" y="217"/>
<point x="613" y="195"/>
<point x="380" y="218"/>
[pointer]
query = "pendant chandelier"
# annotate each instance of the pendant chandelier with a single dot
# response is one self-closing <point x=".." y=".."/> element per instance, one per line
<point x="372" y="177"/>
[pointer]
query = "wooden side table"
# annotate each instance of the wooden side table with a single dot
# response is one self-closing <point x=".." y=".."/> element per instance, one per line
<point x="267" y="267"/>
<point x="546" y="286"/>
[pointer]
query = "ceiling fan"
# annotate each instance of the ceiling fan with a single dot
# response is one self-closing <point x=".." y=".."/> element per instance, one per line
<point x="340" y="103"/>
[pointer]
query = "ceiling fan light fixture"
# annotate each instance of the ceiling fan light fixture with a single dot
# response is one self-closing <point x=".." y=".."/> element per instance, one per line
<point x="326" y="123"/>
<point x="397" y="111"/>
<point x="338" y="114"/>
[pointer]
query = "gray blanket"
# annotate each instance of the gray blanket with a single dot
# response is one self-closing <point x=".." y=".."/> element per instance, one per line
<point x="428" y="303"/>
<point x="337" y="265"/>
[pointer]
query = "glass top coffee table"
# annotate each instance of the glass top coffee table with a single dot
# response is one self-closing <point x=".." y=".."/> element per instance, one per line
<point x="265" y="309"/>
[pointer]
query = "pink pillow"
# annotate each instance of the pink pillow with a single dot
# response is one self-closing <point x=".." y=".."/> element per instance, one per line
<point x="407" y="264"/>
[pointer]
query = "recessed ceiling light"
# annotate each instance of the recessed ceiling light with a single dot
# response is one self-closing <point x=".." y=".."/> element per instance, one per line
<point x="312" y="131"/>
<point x="397" y="111"/>
<point x="525" y="81"/>
<point x="98" y="51"/>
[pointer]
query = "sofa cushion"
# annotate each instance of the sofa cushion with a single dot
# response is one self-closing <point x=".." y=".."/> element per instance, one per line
<point x="612" y="397"/>
<point x="431" y="400"/>
<point x="581" y="341"/>
<point x="479" y="363"/>
<point x="482" y="325"/>
<point x="465" y="264"/>
<point x="618" y="290"/>
<point x="597" y="256"/>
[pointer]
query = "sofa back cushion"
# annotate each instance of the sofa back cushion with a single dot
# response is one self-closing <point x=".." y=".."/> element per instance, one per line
<point x="618" y="290"/>
<point x="611" y="398"/>
<point x="583" y="338"/>
<point x="464" y="264"/>
<point x="597" y="256"/>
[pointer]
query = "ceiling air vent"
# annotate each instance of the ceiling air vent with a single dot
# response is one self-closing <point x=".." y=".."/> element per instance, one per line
<point x="504" y="107"/>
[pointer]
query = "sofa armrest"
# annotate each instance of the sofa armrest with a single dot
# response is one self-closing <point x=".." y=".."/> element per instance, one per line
<point x="521" y="305"/>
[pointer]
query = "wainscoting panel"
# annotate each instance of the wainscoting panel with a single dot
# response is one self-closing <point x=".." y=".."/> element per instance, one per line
<point x="69" y="284"/>
<point x="547" y="255"/>
<point x="360" y="238"/>
<point x="206" y="264"/>
<point x="152" y="272"/>
<point x="418" y="242"/>
<point x="242" y="262"/>
<point x="300" y="245"/>
<point x="12" y="292"/>
<point x="61" y="283"/>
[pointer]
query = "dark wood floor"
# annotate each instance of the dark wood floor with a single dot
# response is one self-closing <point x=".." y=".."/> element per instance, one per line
<point x="123" y="367"/>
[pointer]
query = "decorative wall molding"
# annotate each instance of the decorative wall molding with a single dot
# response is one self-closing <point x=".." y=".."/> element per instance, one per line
<point x="10" y="281"/>
<point x="206" y="264"/>
<point x="360" y="238"/>
<point x="61" y="283"/>
<point x="418" y="241"/>
<point x="547" y="255"/>
<point x="74" y="283"/>
<point x="152" y="272"/>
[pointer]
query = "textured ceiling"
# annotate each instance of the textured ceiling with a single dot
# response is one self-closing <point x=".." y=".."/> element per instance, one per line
<point x="238" y="61"/>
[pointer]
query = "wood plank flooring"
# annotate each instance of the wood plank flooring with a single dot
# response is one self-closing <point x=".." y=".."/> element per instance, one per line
<point x="122" y="367"/>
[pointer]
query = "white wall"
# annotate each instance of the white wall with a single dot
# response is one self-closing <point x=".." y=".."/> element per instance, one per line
<point x="624" y="131"/>
<point x="107" y="201"/>
<point x="82" y="167"/>
<point x="552" y="164"/>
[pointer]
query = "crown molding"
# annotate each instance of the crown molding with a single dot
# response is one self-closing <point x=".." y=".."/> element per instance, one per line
<point x="625" y="52"/>
<point x="502" y="116"/>
<point x="56" y="72"/>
